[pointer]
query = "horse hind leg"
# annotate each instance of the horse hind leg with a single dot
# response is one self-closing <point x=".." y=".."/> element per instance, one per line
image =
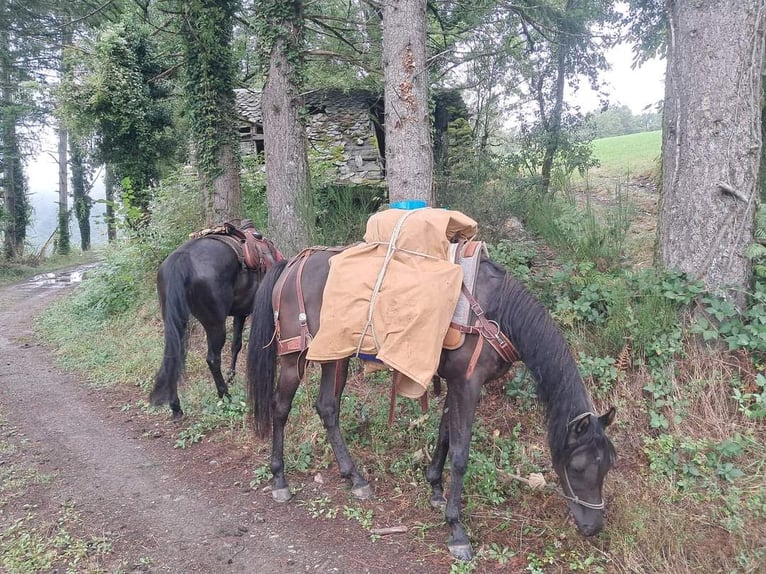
<point x="236" y="346"/>
<point x="216" y="337"/>
<point x="290" y="373"/>
<point x="328" y="407"/>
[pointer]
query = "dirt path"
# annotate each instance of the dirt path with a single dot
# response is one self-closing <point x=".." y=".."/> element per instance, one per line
<point x="164" y="510"/>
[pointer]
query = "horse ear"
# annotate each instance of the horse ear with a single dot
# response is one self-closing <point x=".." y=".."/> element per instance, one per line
<point x="582" y="425"/>
<point x="608" y="417"/>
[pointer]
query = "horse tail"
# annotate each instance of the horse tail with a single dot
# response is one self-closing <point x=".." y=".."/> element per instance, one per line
<point x="262" y="353"/>
<point x="172" y="281"/>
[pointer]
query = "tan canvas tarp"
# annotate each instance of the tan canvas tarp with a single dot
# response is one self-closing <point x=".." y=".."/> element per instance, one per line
<point x="394" y="295"/>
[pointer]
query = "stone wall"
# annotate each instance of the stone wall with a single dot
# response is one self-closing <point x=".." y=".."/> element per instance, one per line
<point x="340" y="128"/>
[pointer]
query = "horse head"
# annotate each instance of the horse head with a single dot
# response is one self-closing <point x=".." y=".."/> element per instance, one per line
<point x="587" y="457"/>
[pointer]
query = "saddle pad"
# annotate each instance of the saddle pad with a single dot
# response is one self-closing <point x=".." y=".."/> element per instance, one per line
<point x="468" y="256"/>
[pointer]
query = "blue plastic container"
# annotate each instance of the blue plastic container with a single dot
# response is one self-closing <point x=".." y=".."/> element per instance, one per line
<point x="408" y="204"/>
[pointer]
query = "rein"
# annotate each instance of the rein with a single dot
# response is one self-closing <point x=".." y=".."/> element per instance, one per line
<point x="574" y="498"/>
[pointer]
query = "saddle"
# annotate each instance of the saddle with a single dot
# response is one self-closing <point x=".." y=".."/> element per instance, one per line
<point x="247" y="242"/>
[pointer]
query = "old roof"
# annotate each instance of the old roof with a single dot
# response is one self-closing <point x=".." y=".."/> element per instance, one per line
<point x="331" y="102"/>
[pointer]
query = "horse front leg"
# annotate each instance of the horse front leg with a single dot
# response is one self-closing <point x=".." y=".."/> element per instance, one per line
<point x="434" y="471"/>
<point x="334" y="377"/>
<point x="462" y="398"/>
<point x="238" y="326"/>
<point x="290" y="373"/>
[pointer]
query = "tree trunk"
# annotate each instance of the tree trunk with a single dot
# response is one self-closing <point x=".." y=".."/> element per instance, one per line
<point x="80" y="201"/>
<point x="409" y="154"/>
<point x="554" y="122"/>
<point x="111" y="224"/>
<point x="13" y="243"/>
<point x="288" y="187"/>
<point x="63" y="244"/>
<point x="712" y="141"/>
<point x="226" y="203"/>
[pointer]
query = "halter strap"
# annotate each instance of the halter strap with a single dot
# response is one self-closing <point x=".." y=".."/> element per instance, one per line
<point x="574" y="498"/>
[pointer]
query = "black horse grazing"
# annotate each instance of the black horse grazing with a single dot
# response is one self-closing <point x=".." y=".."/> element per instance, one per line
<point x="206" y="277"/>
<point x="581" y="452"/>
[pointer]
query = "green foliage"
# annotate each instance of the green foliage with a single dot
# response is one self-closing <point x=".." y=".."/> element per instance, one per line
<point x="320" y="507"/>
<point x="253" y="181"/>
<point x="745" y="330"/>
<point x="579" y="232"/>
<point x="127" y="275"/>
<point x="342" y="212"/>
<point x="619" y="120"/>
<point x="280" y="23"/>
<point x="599" y="371"/>
<point x="574" y="152"/>
<point x="362" y="515"/>
<point x="694" y="465"/>
<point x="751" y="404"/>
<point x="122" y="100"/>
<point x="480" y="185"/>
<point x="515" y="256"/>
<point x="213" y="414"/>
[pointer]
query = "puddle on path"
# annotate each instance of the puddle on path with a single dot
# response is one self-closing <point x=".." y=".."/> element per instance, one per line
<point x="65" y="278"/>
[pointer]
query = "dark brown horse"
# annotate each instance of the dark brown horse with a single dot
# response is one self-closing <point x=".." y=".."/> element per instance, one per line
<point x="206" y="277"/>
<point x="580" y="450"/>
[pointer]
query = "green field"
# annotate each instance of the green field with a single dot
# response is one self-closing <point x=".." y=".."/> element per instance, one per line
<point x="633" y="154"/>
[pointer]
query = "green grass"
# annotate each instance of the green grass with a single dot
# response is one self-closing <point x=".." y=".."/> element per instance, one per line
<point x="633" y="154"/>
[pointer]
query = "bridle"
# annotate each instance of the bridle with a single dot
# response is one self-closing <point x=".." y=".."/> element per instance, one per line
<point x="574" y="498"/>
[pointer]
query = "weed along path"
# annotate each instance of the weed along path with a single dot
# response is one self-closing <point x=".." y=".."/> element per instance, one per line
<point x="86" y="486"/>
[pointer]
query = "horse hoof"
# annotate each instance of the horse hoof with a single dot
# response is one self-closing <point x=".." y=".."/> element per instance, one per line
<point x="177" y="416"/>
<point x="461" y="552"/>
<point x="362" y="492"/>
<point x="281" y="495"/>
<point x="438" y="502"/>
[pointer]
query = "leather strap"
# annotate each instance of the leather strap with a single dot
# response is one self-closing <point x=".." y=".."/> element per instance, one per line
<point x="301" y="341"/>
<point x="488" y="330"/>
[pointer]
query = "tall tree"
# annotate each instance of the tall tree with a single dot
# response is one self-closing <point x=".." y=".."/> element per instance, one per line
<point x="409" y="154"/>
<point x="564" y="41"/>
<point x="712" y="140"/>
<point x="288" y="187"/>
<point x="23" y="28"/>
<point x="65" y="20"/>
<point x="207" y="28"/>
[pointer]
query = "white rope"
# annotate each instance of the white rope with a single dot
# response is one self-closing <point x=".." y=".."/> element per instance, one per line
<point x="379" y="282"/>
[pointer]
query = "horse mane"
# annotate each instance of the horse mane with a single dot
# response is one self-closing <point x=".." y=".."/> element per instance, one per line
<point x="545" y="352"/>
